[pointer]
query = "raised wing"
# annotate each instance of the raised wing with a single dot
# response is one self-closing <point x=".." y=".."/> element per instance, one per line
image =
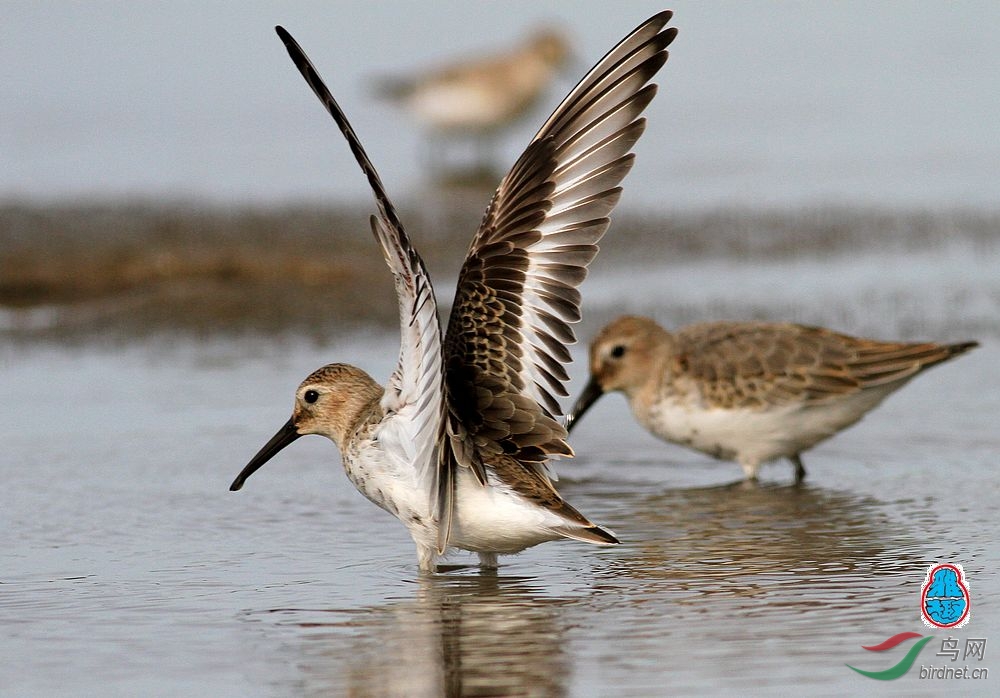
<point x="413" y="398"/>
<point x="771" y="364"/>
<point x="517" y="292"/>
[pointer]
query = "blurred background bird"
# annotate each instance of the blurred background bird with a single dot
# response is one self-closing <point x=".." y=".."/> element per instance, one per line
<point x="472" y="101"/>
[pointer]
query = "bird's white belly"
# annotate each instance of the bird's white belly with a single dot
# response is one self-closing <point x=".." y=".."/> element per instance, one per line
<point x="459" y="107"/>
<point x="494" y="519"/>
<point x="757" y="435"/>
<point x="395" y="488"/>
<point x="486" y="519"/>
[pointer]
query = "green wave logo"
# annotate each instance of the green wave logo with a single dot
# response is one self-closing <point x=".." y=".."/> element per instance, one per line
<point x="894" y="672"/>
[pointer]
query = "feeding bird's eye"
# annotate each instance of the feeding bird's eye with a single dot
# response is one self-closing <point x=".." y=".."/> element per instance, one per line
<point x="618" y="351"/>
<point x="311" y="396"/>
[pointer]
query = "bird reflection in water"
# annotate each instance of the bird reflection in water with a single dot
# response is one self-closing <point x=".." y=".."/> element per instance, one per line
<point x="456" y="635"/>
<point x="794" y="546"/>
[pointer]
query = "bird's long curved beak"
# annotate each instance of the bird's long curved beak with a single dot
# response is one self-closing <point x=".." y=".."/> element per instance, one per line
<point x="286" y="435"/>
<point x="588" y="397"/>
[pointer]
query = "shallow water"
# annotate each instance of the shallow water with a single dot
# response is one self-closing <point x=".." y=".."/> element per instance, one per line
<point x="129" y="569"/>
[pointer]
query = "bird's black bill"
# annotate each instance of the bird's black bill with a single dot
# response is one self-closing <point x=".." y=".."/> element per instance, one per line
<point x="587" y="398"/>
<point x="286" y="435"/>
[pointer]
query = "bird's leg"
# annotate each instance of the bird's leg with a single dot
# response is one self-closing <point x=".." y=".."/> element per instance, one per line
<point x="488" y="561"/>
<point x="486" y="149"/>
<point x="800" y="470"/>
<point x="427" y="558"/>
<point x="431" y="149"/>
<point x="750" y="468"/>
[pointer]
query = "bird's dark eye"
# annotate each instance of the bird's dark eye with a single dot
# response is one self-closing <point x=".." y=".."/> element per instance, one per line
<point x="618" y="351"/>
<point x="311" y="396"/>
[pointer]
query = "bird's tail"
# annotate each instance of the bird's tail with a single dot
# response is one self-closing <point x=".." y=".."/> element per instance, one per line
<point x="589" y="534"/>
<point x="960" y="348"/>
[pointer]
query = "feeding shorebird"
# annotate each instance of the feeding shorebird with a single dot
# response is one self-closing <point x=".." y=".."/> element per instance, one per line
<point x="749" y="391"/>
<point x="477" y="98"/>
<point x="456" y="445"/>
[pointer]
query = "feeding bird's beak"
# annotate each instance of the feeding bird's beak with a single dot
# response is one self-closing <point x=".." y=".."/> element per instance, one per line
<point x="286" y="435"/>
<point x="588" y="397"/>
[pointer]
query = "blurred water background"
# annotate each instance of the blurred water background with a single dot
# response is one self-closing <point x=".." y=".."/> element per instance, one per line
<point x="763" y="104"/>
<point x="184" y="236"/>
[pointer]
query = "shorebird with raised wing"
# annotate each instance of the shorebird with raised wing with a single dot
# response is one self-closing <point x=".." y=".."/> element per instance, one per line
<point x="751" y="392"/>
<point x="456" y="445"/>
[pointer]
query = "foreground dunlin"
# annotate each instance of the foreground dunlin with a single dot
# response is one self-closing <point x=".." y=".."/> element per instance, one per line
<point x="749" y="391"/>
<point x="455" y="446"/>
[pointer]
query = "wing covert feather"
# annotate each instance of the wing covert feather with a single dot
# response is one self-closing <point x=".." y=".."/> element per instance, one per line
<point x="778" y="363"/>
